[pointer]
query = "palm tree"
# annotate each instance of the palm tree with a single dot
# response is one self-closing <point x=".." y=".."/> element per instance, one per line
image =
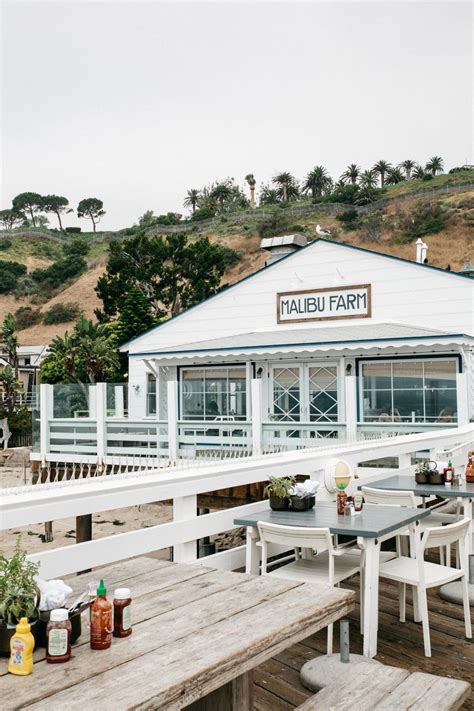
<point x="351" y="174"/>
<point x="394" y="176"/>
<point x="368" y="179"/>
<point x="419" y="172"/>
<point x="191" y="199"/>
<point x="268" y="196"/>
<point x="251" y="183"/>
<point x="221" y="192"/>
<point x="287" y="186"/>
<point x="381" y="168"/>
<point x="317" y="181"/>
<point x="408" y="166"/>
<point x="435" y="165"/>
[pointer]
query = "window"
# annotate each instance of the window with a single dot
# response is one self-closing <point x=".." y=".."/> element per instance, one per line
<point x="322" y="394"/>
<point x="214" y="393"/>
<point x="409" y="391"/>
<point x="151" y="395"/>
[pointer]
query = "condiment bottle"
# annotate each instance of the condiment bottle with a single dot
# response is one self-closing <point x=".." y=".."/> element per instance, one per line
<point x="122" y="612"/>
<point x="341" y="499"/>
<point x="358" y="502"/>
<point x="449" y="474"/>
<point x="21" y="649"/>
<point x="101" y="620"/>
<point x="58" y="637"/>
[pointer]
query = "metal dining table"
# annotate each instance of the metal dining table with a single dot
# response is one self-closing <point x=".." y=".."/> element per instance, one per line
<point x="371" y="526"/>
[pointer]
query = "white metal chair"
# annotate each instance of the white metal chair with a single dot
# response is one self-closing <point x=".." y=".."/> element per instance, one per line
<point x="422" y="574"/>
<point x="331" y="565"/>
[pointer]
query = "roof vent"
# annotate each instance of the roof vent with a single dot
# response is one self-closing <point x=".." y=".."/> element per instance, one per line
<point x="280" y="247"/>
<point x="421" y="251"/>
<point x="467" y="269"/>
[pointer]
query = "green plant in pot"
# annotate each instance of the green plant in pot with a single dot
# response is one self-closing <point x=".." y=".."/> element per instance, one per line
<point x="19" y="594"/>
<point x="278" y="490"/>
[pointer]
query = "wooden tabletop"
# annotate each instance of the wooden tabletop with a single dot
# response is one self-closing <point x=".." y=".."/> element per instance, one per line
<point x="194" y="630"/>
<point x="408" y="483"/>
<point x="372" y="522"/>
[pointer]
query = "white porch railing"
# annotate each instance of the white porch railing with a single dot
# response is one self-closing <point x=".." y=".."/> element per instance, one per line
<point x="182" y="483"/>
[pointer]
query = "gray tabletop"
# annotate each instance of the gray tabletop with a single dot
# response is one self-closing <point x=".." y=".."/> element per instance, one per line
<point x="373" y="521"/>
<point x="408" y="483"/>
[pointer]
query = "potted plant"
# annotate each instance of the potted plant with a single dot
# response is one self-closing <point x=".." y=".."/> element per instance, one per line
<point x="19" y="594"/>
<point x="278" y="491"/>
<point x="303" y="495"/>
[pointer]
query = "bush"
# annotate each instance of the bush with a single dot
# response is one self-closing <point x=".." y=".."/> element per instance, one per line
<point x="273" y="226"/>
<point x="77" y="247"/>
<point x="371" y="226"/>
<point x="5" y="243"/>
<point x="25" y="286"/>
<point x="62" y="313"/>
<point x="55" y="275"/>
<point x="203" y="213"/>
<point x="73" y="230"/>
<point x="424" y="219"/>
<point x="348" y="219"/>
<point x="231" y="257"/>
<point x="427" y="176"/>
<point x="297" y="228"/>
<point x="26" y="316"/>
<point x="10" y="272"/>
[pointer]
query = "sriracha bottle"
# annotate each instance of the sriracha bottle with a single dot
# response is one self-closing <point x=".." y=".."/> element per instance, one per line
<point x="101" y="620"/>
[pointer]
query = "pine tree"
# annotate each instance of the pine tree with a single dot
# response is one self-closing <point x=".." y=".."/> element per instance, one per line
<point x="135" y="315"/>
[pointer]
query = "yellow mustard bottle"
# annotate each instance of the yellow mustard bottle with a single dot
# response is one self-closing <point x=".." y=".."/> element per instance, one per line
<point x="21" y="649"/>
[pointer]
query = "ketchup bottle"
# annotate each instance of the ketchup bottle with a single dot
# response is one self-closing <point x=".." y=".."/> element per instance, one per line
<point x="101" y="620"/>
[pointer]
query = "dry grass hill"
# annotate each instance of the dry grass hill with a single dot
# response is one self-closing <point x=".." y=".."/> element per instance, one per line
<point x="451" y="245"/>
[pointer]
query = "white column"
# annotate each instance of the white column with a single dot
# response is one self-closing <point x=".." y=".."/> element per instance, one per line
<point x="462" y="386"/>
<point x="173" y="419"/>
<point x="184" y="509"/>
<point x="100" y="414"/>
<point x="351" y="406"/>
<point x="256" y="395"/>
<point x="119" y="405"/>
<point x="46" y="413"/>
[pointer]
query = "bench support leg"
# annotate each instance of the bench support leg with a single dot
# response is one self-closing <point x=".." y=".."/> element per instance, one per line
<point x="234" y="696"/>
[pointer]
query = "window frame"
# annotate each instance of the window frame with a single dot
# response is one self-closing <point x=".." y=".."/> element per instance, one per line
<point x="209" y="366"/>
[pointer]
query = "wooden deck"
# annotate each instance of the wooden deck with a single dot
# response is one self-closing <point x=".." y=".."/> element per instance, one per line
<point x="276" y="683"/>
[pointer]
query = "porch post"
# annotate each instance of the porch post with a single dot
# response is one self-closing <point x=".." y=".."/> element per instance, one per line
<point x="351" y="406"/>
<point x="462" y="396"/>
<point x="173" y="420"/>
<point x="46" y="413"/>
<point x="256" y="395"/>
<point x="101" y="426"/>
<point x="185" y="508"/>
<point x="119" y="404"/>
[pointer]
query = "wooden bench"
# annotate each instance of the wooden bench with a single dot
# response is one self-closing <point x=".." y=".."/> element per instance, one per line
<point x="383" y="688"/>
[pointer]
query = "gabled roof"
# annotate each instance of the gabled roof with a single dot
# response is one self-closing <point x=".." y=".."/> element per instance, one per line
<point x="124" y="346"/>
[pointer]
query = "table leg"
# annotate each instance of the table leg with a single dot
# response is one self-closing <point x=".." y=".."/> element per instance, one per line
<point x="252" y="552"/>
<point x="371" y="595"/>
<point x="234" y="696"/>
<point x="468" y="513"/>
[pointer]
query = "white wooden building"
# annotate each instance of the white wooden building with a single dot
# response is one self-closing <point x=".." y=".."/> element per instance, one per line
<point x="329" y="341"/>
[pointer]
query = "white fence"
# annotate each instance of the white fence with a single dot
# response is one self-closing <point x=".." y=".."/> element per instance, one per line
<point x="182" y="484"/>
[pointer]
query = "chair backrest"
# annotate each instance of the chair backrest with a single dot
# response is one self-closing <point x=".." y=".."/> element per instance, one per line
<point x="444" y="535"/>
<point x="295" y="536"/>
<point x="388" y="497"/>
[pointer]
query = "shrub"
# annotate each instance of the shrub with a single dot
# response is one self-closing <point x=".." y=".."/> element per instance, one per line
<point x="62" y="313"/>
<point x="73" y="230"/>
<point x="203" y="213"/>
<point x="424" y="219"/>
<point x="427" y="176"/>
<point x="371" y="226"/>
<point x="297" y="228"/>
<point x="25" y="286"/>
<point x="77" y="247"/>
<point x="10" y="272"/>
<point x="276" y="224"/>
<point x="348" y="219"/>
<point x="231" y="257"/>
<point x="5" y="243"/>
<point x="55" y="275"/>
<point x="26" y="316"/>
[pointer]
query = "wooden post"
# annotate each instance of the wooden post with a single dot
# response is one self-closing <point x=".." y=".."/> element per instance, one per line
<point x="84" y="532"/>
<point x="256" y="393"/>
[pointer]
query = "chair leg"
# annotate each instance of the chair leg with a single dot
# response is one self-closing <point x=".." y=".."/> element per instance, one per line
<point x="416" y="606"/>
<point x="441" y="556"/>
<point x="423" y="603"/>
<point x="448" y="555"/>
<point x="467" y="607"/>
<point x="402" y="592"/>
<point x="330" y="639"/>
<point x="362" y="579"/>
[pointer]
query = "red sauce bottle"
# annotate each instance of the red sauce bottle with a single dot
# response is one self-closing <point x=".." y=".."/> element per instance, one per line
<point x="122" y="612"/>
<point x="341" y="499"/>
<point x="58" y="637"/>
<point x="101" y="620"/>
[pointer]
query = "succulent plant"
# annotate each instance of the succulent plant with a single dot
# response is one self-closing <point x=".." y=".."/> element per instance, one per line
<point x="279" y="486"/>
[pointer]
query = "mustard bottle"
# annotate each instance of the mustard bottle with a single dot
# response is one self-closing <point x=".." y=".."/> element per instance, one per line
<point x="21" y="649"/>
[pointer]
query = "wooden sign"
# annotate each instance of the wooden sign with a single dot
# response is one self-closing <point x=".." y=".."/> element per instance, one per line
<point x="342" y="302"/>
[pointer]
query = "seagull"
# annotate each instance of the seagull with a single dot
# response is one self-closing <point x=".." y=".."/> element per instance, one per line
<point x="323" y="231"/>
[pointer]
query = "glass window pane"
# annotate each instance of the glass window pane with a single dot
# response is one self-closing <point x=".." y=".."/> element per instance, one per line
<point x="441" y="405"/>
<point x="286" y="393"/>
<point x="408" y="374"/>
<point x="377" y="376"/>
<point x="195" y="378"/>
<point x="323" y="394"/>
<point x="408" y="406"/>
<point x="440" y="373"/>
<point x="377" y="406"/>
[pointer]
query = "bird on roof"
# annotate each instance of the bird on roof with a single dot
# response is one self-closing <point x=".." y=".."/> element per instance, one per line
<point x="323" y="231"/>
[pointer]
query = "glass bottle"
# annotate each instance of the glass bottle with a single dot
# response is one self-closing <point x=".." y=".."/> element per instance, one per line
<point x="58" y="637"/>
<point x="122" y="612"/>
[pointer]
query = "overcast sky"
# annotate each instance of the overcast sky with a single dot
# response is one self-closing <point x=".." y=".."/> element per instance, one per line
<point x="136" y="102"/>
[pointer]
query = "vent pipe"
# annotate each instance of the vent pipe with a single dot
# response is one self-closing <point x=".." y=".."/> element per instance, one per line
<point x="421" y="251"/>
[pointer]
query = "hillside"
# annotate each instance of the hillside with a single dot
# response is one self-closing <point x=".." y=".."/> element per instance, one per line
<point x="382" y="228"/>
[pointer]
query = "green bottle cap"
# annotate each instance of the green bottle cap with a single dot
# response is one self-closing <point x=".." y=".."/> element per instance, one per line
<point x="101" y="590"/>
<point x="341" y="486"/>
<point x="450" y="464"/>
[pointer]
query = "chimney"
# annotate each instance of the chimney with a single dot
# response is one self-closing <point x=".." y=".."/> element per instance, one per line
<point x="280" y="247"/>
<point x="421" y="251"/>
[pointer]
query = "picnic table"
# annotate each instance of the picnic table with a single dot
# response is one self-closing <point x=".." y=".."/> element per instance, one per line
<point x="197" y="634"/>
<point x="373" y="525"/>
